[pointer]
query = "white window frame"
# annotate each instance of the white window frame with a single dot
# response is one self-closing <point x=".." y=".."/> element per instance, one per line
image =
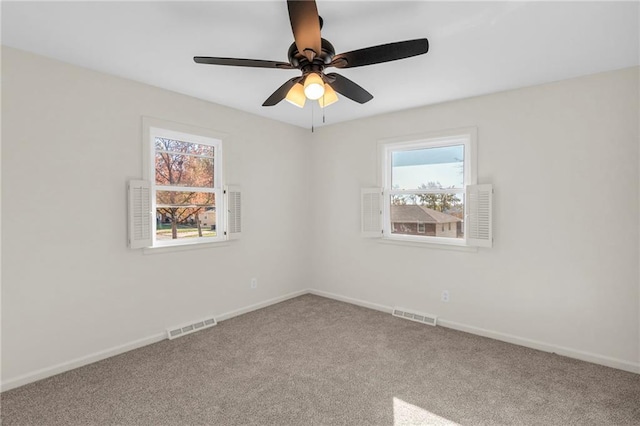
<point x="159" y="128"/>
<point x="466" y="137"/>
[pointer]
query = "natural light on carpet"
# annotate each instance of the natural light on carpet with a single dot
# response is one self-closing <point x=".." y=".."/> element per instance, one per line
<point x="409" y="414"/>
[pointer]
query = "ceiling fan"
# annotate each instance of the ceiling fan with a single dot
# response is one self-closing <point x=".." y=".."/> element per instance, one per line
<point x="311" y="54"/>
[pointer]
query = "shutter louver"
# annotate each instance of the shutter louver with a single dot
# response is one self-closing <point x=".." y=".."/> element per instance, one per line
<point x="234" y="211"/>
<point x="140" y="214"/>
<point x="371" y="212"/>
<point x="479" y="230"/>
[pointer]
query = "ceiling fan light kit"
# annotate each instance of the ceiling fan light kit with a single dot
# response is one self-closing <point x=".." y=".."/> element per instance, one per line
<point x="311" y="54"/>
<point x="313" y="86"/>
<point x="296" y="96"/>
<point x="329" y="97"/>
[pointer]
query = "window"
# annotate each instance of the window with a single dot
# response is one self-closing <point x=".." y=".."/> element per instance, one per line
<point x="186" y="187"/>
<point x="424" y="183"/>
<point x="181" y="200"/>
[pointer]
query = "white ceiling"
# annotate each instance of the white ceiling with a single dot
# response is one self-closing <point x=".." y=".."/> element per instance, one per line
<point x="475" y="47"/>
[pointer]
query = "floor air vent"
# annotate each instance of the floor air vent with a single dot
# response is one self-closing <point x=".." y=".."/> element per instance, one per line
<point x="414" y="316"/>
<point x="174" y="332"/>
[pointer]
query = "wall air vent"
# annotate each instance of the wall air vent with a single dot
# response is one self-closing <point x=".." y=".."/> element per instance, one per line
<point x="185" y="329"/>
<point x="415" y="316"/>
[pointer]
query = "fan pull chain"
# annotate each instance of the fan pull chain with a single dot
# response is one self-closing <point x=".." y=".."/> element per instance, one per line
<point x="323" y="108"/>
<point x="312" y="117"/>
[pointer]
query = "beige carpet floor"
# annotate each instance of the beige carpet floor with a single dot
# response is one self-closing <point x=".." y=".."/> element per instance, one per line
<point x="316" y="361"/>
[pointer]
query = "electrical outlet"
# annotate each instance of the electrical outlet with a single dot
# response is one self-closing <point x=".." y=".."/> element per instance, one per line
<point x="445" y="296"/>
<point x="254" y="283"/>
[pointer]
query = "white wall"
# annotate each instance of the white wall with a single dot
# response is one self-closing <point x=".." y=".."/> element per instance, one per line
<point x="70" y="286"/>
<point x="563" y="272"/>
<point x="71" y="289"/>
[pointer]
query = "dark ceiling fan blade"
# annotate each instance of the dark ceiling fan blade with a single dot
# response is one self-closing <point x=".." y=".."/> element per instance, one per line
<point x="281" y="92"/>
<point x="348" y="88"/>
<point x="255" y="63"/>
<point x="382" y="53"/>
<point x="305" y="24"/>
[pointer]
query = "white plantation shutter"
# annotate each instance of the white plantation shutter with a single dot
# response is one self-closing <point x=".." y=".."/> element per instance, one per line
<point x="140" y="214"/>
<point x="233" y="201"/>
<point x="371" y="212"/>
<point x="479" y="200"/>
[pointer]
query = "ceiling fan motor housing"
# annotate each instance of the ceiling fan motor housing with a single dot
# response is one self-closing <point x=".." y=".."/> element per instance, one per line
<point x="301" y="62"/>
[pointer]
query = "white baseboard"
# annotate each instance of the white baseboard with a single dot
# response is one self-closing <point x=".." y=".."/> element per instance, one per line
<point x="521" y="341"/>
<point x="117" y="350"/>
<point x="260" y="305"/>
<point x="363" y="303"/>
<point x="43" y="373"/>
<point x="545" y="347"/>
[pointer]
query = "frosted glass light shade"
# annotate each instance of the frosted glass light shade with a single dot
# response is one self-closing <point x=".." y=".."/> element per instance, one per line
<point x="330" y="97"/>
<point x="313" y="86"/>
<point x="296" y="96"/>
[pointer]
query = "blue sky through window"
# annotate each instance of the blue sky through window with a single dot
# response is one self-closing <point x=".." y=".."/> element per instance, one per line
<point x="411" y="168"/>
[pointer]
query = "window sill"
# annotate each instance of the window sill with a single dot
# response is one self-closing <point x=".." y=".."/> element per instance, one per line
<point x="429" y="245"/>
<point x="183" y="247"/>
